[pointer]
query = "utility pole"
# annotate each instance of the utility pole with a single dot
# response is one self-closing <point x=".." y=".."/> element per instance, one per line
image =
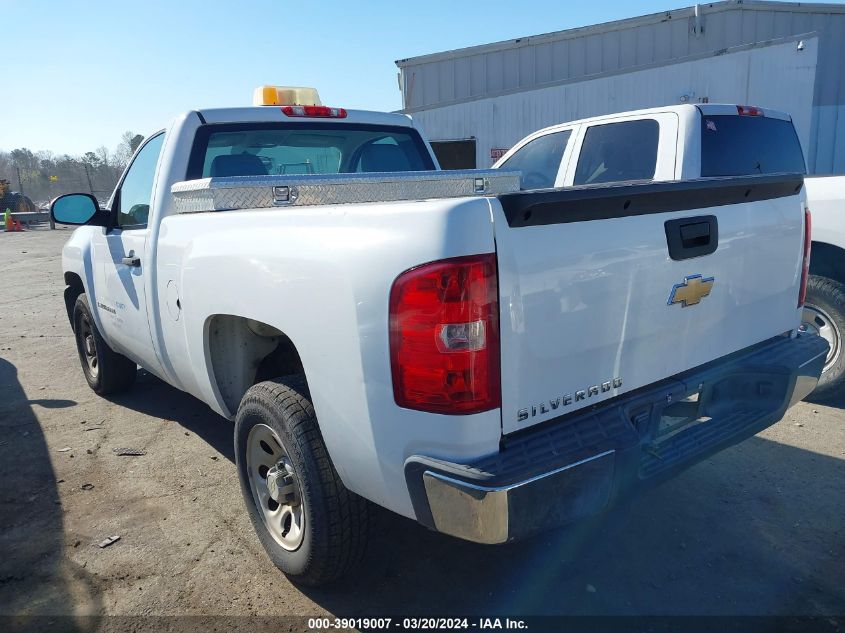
<point x="88" y="176"/>
<point x="20" y="182"/>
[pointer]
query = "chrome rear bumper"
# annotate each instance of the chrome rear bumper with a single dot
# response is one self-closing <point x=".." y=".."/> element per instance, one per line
<point x="578" y="465"/>
<point x="483" y="514"/>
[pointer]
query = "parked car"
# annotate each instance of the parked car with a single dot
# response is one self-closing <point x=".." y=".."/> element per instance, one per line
<point x="486" y="361"/>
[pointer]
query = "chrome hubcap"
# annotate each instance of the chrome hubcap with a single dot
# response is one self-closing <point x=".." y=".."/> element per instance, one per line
<point x="89" y="348"/>
<point x="817" y="321"/>
<point x="275" y="487"/>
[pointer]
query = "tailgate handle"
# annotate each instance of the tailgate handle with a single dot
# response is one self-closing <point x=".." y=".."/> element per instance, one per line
<point x="697" y="234"/>
<point x="692" y="237"/>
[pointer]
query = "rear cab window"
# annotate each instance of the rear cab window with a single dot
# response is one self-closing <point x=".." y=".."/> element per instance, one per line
<point x="734" y="145"/>
<point x="262" y="149"/>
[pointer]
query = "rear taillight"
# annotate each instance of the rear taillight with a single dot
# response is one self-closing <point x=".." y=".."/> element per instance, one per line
<point x="805" y="269"/>
<point x="444" y="336"/>
<point x="317" y="111"/>
<point x="749" y="111"/>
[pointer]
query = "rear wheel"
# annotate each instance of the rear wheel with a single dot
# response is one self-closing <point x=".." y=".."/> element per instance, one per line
<point x="105" y="370"/>
<point x="312" y="527"/>
<point x="824" y="315"/>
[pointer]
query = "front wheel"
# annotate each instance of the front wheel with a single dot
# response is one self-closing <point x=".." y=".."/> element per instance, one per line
<point x="312" y="527"/>
<point x="105" y="370"/>
<point x="824" y="315"/>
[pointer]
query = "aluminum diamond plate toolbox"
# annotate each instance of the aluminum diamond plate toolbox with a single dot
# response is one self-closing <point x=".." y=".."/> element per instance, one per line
<point x="258" y="192"/>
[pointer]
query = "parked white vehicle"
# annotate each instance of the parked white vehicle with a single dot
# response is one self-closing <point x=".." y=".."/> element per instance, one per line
<point x="824" y="311"/>
<point x="713" y="140"/>
<point x="486" y="361"/>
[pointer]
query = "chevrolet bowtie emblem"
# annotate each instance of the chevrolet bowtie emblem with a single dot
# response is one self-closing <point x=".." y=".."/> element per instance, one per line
<point x="691" y="291"/>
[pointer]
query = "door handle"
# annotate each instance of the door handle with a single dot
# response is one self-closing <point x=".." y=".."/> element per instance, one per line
<point x="131" y="261"/>
<point x="695" y="234"/>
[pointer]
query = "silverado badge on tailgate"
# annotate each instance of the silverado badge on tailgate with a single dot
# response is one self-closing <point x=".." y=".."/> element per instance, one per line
<point x="691" y="291"/>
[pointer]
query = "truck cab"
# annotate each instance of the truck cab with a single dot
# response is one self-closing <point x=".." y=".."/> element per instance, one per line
<point x="681" y="142"/>
<point x="246" y="142"/>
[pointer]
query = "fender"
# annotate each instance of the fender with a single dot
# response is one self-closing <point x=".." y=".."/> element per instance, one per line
<point x="77" y="258"/>
<point x="322" y="277"/>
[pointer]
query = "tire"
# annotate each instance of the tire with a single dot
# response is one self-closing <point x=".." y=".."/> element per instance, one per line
<point x="318" y="530"/>
<point x="105" y="370"/>
<point x="824" y="314"/>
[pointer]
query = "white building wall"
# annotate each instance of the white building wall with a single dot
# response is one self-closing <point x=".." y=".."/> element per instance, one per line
<point x="754" y="76"/>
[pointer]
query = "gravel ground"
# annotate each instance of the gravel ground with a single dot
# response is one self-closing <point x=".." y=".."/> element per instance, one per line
<point x="757" y="530"/>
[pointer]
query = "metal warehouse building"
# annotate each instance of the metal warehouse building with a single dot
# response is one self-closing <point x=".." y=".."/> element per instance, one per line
<point x="476" y="102"/>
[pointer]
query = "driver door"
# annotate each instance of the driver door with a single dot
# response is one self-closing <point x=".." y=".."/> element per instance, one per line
<point x="120" y="260"/>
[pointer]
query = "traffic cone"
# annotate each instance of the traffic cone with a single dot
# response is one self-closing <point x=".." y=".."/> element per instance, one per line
<point x="19" y="226"/>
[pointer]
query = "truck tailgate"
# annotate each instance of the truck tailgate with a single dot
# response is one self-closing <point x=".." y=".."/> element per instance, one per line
<point x="592" y="305"/>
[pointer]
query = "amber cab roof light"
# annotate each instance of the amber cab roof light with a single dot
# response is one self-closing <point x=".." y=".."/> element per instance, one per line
<point x="285" y="95"/>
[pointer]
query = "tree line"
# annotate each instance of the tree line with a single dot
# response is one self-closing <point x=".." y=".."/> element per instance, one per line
<point x="43" y="175"/>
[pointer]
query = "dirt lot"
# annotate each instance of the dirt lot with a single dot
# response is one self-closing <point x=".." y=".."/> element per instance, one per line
<point x="759" y="529"/>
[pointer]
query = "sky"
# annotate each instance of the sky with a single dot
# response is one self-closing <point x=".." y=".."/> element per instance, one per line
<point x="76" y="75"/>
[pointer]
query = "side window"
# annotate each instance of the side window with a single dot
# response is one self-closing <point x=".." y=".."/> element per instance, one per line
<point x="136" y="191"/>
<point x="539" y="160"/>
<point x="616" y="152"/>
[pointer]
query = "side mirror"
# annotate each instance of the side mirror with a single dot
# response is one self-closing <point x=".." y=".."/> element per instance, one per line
<point x="77" y="209"/>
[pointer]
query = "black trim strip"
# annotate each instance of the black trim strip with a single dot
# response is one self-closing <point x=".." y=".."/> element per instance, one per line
<point x="602" y="202"/>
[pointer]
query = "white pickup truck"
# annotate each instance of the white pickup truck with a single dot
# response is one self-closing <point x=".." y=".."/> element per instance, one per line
<point x="708" y="140"/>
<point x="486" y="361"/>
<point x="824" y="310"/>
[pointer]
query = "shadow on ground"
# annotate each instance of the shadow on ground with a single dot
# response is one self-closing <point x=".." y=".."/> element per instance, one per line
<point x="756" y="530"/>
<point x="155" y="398"/>
<point x="836" y="402"/>
<point x="35" y="576"/>
<point x="751" y="531"/>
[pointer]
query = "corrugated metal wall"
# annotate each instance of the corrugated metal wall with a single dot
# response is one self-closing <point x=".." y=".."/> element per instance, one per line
<point x="744" y="76"/>
<point x="571" y="57"/>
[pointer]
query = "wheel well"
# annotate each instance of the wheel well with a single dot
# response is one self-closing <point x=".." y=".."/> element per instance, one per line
<point x="827" y="260"/>
<point x="73" y="289"/>
<point x="244" y="352"/>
